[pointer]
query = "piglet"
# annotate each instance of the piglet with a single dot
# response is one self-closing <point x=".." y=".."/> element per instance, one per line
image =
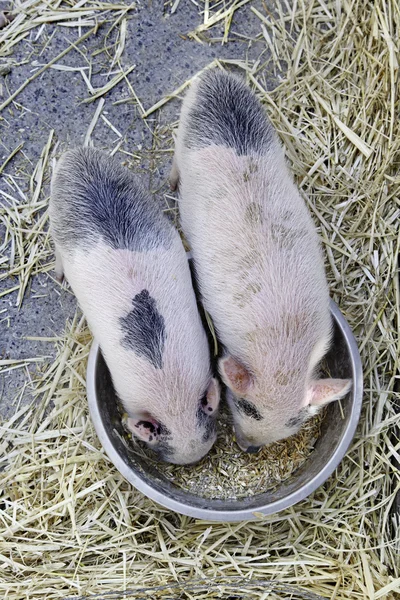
<point x="257" y="259"/>
<point x="128" y="269"/>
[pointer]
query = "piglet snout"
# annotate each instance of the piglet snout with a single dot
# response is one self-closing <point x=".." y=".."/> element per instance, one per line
<point x="252" y="449"/>
<point x="245" y="444"/>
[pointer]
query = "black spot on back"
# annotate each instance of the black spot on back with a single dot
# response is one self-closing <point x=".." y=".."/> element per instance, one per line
<point x="144" y="329"/>
<point x="95" y="196"/>
<point x="209" y="430"/>
<point x="247" y="408"/>
<point x="227" y="113"/>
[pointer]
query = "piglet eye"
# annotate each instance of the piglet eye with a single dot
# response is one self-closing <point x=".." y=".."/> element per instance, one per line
<point x="248" y="409"/>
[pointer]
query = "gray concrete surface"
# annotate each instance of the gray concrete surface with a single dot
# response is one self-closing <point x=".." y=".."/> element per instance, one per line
<point x="164" y="57"/>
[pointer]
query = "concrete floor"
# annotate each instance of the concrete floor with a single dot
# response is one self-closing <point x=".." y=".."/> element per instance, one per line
<point x="164" y="57"/>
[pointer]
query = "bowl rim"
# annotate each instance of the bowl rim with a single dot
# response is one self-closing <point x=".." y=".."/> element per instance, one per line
<point x="232" y="515"/>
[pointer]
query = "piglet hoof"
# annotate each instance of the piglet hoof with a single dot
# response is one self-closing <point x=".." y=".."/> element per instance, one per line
<point x="174" y="175"/>
<point x="173" y="183"/>
<point x="58" y="267"/>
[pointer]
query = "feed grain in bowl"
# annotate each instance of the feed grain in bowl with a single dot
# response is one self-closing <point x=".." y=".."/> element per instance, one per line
<point x="228" y="485"/>
<point x="227" y="472"/>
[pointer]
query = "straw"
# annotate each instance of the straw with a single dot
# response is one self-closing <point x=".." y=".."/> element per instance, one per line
<point x="70" y="525"/>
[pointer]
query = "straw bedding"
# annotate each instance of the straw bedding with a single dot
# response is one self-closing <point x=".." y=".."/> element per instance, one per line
<point x="70" y="526"/>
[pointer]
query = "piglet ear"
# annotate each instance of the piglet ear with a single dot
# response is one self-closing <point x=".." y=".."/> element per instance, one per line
<point x="324" y="391"/>
<point x="234" y="375"/>
<point x="146" y="429"/>
<point x="210" y="402"/>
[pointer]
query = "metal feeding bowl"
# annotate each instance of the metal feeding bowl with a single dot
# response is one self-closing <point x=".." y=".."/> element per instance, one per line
<point x="337" y="430"/>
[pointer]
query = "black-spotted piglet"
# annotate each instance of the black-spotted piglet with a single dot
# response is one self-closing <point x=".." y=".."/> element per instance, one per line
<point x="257" y="260"/>
<point x="128" y="269"/>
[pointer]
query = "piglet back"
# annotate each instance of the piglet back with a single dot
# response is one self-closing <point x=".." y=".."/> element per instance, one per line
<point x="226" y="113"/>
<point x="92" y="195"/>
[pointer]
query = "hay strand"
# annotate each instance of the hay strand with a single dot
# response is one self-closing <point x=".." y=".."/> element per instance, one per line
<point x="70" y="525"/>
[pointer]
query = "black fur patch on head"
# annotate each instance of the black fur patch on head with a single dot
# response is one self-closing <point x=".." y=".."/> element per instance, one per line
<point x="164" y="432"/>
<point x="227" y="113"/>
<point x="248" y="409"/>
<point x="209" y="430"/>
<point x="298" y="419"/>
<point x="294" y="422"/>
<point x="164" y="449"/>
<point x="144" y="329"/>
<point x="206" y="422"/>
<point x="94" y="196"/>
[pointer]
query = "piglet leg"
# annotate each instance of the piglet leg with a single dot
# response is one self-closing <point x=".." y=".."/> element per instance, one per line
<point x="174" y="175"/>
<point x="59" y="267"/>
